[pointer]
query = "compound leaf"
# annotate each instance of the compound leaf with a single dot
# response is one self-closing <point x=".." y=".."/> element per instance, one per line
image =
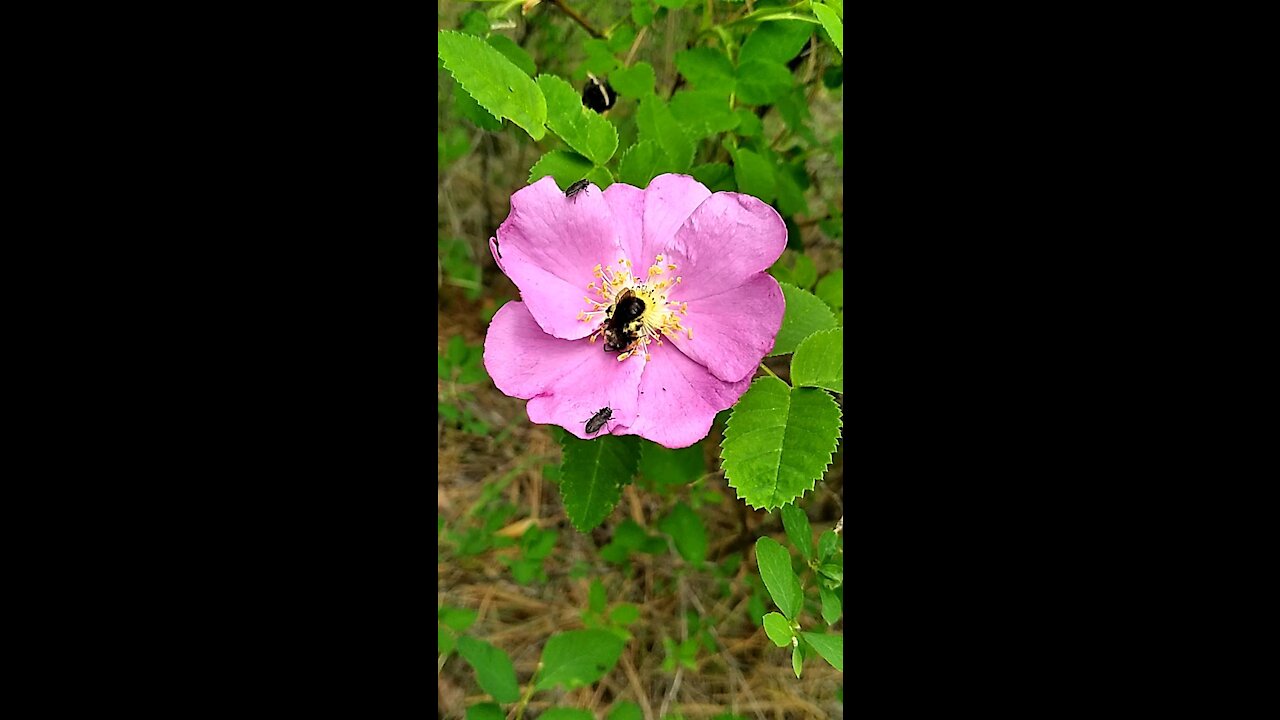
<point x="581" y="129"/>
<point x="496" y="83"/>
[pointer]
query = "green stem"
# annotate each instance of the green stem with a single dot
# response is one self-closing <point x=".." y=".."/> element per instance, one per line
<point x="528" y="693"/>
<point x="766" y="369"/>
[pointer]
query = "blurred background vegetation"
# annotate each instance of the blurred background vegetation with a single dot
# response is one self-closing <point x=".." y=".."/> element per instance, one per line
<point x="511" y="569"/>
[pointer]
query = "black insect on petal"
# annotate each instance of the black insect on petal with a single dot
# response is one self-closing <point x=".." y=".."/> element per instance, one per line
<point x="598" y="420"/>
<point x="576" y="188"/>
<point x="597" y="94"/>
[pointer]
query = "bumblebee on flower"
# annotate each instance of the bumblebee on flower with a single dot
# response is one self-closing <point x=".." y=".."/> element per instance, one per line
<point x="655" y="264"/>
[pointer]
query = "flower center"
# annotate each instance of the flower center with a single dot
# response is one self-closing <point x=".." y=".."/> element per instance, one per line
<point x="633" y="311"/>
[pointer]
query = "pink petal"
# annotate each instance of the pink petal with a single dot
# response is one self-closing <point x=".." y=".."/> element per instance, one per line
<point x="565" y="381"/>
<point x="679" y="399"/>
<point x="727" y="240"/>
<point x="626" y="202"/>
<point x="550" y="244"/>
<point x="733" y="331"/>
<point x="669" y="201"/>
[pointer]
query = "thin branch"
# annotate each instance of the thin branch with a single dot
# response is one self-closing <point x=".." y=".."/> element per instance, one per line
<point x="578" y="18"/>
<point x="636" y="45"/>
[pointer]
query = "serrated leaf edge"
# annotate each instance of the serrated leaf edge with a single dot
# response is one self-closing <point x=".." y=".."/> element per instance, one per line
<point x="836" y="329"/>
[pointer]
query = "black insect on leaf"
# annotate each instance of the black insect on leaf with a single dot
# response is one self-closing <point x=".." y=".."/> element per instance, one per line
<point x="597" y="94"/>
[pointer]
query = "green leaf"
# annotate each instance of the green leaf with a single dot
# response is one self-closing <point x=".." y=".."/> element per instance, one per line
<point x="754" y="175"/>
<point x="831" y="289"/>
<point x="775" y="570"/>
<point x="592" y="473"/>
<point x="656" y="123"/>
<point x="672" y="467"/>
<point x="828" y="542"/>
<point x="513" y="52"/>
<point x="761" y="82"/>
<point x="445" y="641"/>
<point x="791" y="200"/>
<point x="778" y="629"/>
<point x="566" y="167"/>
<point x="716" y="176"/>
<point x="626" y="710"/>
<point x="831" y="604"/>
<point x="776" y="41"/>
<point x="457" y="618"/>
<point x="474" y="23"/>
<point x="467" y="107"/>
<point x="797" y="660"/>
<point x="671" y="4"/>
<point x="600" y="59"/>
<point x="581" y="129"/>
<point x="707" y="69"/>
<point x="819" y="361"/>
<point x="595" y="597"/>
<point x="566" y="714"/>
<point x="641" y="12"/>
<point x="578" y="658"/>
<point x="493" y="668"/>
<point x="778" y="442"/>
<point x="686" y="528"/>
<point x="621" y="38"/>
<point x="641" y="163"/>
<point x="799" y="533"/>
<point x="636" y="81"/>
<point x="702" y="113"/>
<point x="601" y="177"/>
<point x="832" y="24"/>
<point x="624" y="614"/>
<point x="494" y="81"/>
<point x="749" y="124"/>
<point x="833" y="571"/>
<point x="795" y="268"/>
<point x="485" y="711"/>
<point x="804" y="316"/>
<point x="830" y="647"/>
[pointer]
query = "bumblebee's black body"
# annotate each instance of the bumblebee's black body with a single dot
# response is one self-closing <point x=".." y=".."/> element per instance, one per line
<point x="598" y="95"/>
<point x="576" y="188"/>
<point x="622" y="325"/>
<point x="598" y="420"/>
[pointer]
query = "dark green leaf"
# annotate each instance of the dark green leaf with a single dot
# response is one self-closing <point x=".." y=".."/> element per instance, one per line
<point x="641" y="12"/>
<point x="778" y="442"/>
<point x="494" y="81"/>
<point x="754" y="175"/>
<point x="474" y="23"/>
<point x="799" y="533"/>
<point x="513" y="52"/>
<point x="761" y="82"/>
<point x="830" y="647"/>
<point x="828" y="543"/>
<point x="671" y="4"/>
<point x="776" y="41"/>
<point x="566" y="167"/>
<point x="592" y="473"/>
<point x="833" y="77"/>
<point x="467" y="107"/>
<point x="775" y="570"/>
<point x="791" y="200"/>
<point x="804" y="316"/>
<point x="656" y="123"/>
<point x="831" y="289"/>
<point x="778" y="629"/>
<point x="600" y="59"/>
<point x="795" y="268"/>
<point x="716" y="176"/>
<point x="641" y="163"/>
<point x="819" y="361"/>
<point x="748" y="124"/>
<point x="672" y="467"/>
<point x="634" y="82"/>
<point x="579" y="657"/>
<point x="702" y="113"/>
<point x="494" y="671"/>
<point x="707" y="69"/>
<point x="831" y="604"/>
<point x="621" y="38"/>
<point x="686" y="528"/>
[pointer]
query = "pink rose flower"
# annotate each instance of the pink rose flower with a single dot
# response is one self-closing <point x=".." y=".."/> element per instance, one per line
<point x="652" y="303"/>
